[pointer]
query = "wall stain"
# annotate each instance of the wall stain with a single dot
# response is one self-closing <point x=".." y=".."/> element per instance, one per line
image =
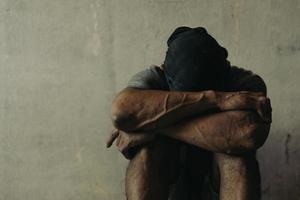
<point x="236" y="18"/>
<point x="95" y="39"/>
<point x="110" y="53"/>
<point x="289" y="49"/>
<point x="78" y="154"/>
<point x="104" y="38"/>
<point x="265" y="190"/>
<point x="286" y="148"/>
<point x="167" y="1"/>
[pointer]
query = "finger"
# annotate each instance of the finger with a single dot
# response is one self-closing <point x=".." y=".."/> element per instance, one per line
<point x="112" y="137"/>
<point x="249" y="93"/>
<point x="258" y="93"/>
<point x="119" y="139"/>
<point x="123" y="142"/>
<point x="260" y="113"/>
<point x="265" y="113"/>
<point x="267" y="109"/>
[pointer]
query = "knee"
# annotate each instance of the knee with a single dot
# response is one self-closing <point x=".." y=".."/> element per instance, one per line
<point x="255" y="136"/>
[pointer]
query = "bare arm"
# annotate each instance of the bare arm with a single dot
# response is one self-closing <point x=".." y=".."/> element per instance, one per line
<point x="144" y="110"/>
<point x="231" y="132"/>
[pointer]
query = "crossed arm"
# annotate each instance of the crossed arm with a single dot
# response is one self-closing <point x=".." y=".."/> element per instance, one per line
<point x="225" y="122"/>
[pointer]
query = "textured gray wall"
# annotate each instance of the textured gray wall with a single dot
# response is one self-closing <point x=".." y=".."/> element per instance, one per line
<point x="62" y="61"/>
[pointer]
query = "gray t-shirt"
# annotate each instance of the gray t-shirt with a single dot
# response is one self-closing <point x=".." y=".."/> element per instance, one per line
<point x="239" y="79"/>
<point x="194" y="182"/>
<point x="150" y="78"/>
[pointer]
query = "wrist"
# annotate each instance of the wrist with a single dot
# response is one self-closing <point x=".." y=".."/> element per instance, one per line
<point x="215" y="99"/>
<point x="224" y="101"/>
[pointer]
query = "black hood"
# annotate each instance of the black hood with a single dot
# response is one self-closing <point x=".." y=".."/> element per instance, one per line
<point x="194" y="60"/>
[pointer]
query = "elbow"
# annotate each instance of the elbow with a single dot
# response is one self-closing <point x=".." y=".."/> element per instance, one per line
<point x="121" y="114"/>
<point x="118" y="117"/>
<point x="121" y="120"/>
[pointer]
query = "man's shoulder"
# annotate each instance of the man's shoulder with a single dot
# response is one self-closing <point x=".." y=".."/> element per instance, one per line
<point x="150" y="78"/>
<point x="243" y="79"/>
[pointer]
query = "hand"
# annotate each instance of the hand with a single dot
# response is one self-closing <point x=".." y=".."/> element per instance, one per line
<point x="127" y="143"/>
<point x="245" y="100"/>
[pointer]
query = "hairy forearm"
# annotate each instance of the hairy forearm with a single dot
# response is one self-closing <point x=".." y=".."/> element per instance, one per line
<point x="231" y="132"/>
<point x="145" y="110"/>
<point x="135" y="109"/>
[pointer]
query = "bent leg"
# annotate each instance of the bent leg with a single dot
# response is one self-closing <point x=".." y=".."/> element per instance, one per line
<point x="152" y="170"/>
<point x="239" y="177"/>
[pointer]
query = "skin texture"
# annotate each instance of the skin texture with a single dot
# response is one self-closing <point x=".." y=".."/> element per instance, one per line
<point x="152" y="170"/>
<point x="231" y="132"/>
<point x="245" y="116"/>
<point x="240" y="177"/>
<point x="237" y="124"/>
<point x="135" y="109"/>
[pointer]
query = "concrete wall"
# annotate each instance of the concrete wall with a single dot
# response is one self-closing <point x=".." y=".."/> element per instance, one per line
<point x="62" y="61"/>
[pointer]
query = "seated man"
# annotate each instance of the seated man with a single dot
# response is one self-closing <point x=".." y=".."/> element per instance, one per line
<point x="191" y="126"/>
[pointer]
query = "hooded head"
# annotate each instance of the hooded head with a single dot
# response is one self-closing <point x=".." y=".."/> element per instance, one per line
<point x="195" y="61"/>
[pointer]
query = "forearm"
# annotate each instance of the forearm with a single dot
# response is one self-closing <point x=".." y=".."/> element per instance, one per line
<point x="146" y="110"/>
<point x="231" y="132"/>
<point x="135" y="109"/>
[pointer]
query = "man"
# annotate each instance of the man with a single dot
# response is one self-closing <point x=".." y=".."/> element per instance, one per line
<point x="191" y="127"/>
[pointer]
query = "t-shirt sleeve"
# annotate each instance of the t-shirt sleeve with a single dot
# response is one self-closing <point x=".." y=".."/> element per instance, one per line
<point x="245" y="80"/>
<point x="151" y="78"/>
